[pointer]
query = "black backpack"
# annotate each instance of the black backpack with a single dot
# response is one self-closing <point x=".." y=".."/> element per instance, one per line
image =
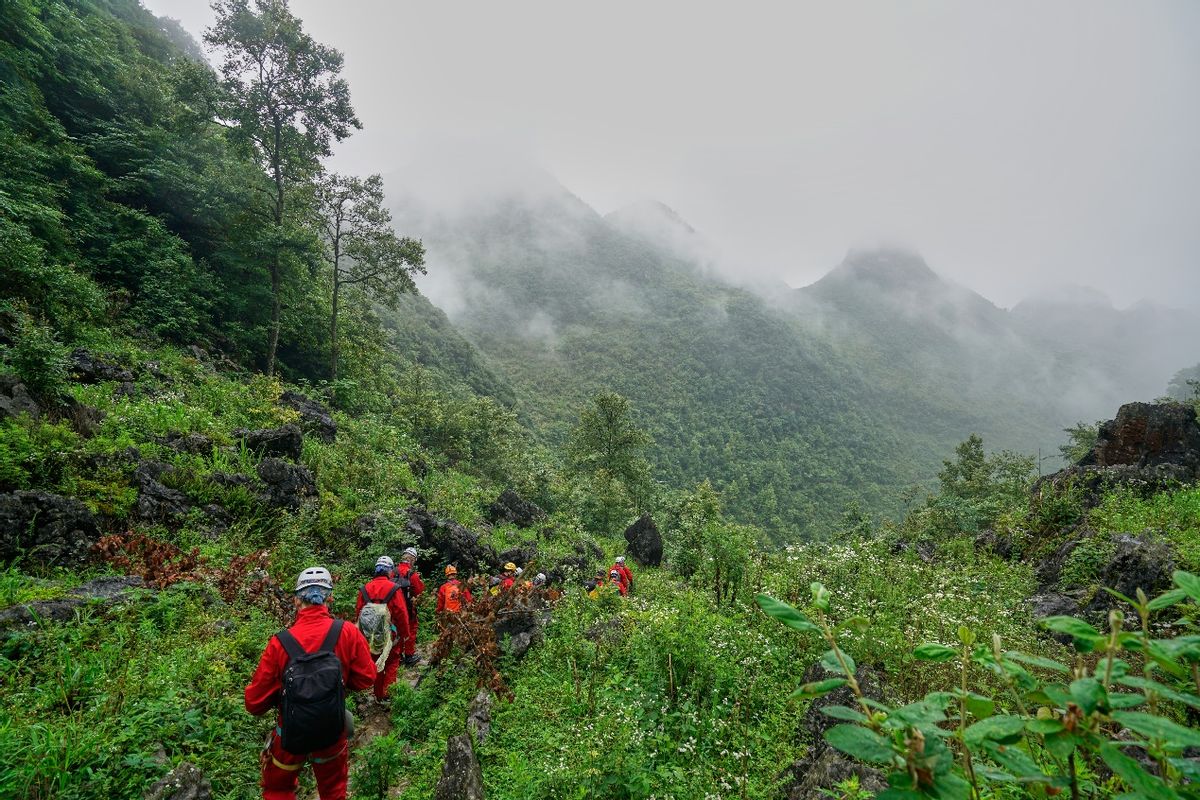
<point x="405" y="585"/>
<point x="313" y="703"/>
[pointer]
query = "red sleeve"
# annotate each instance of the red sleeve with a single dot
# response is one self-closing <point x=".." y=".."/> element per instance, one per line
<point x="353" y="652"/>
<point x="418" y="585"/>
<point x="467" y="594"/>
<point x="399" y="611"/>
<point x="263" y="691"/>
<point x="358" y="604"/>
<point x="441" y="601"/>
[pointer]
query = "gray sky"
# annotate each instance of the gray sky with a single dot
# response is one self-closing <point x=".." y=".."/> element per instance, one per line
<point x="1018" y="145"/>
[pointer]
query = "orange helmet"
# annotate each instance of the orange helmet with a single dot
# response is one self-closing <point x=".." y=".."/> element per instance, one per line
<point x="451" y="570"/>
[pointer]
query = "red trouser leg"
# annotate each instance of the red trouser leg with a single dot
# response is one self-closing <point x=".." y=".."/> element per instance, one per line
<point x="331" y="767"/>
<point x="281" y="771"/>
<point x="386" y="678"/>
<point x="410" y="644"/>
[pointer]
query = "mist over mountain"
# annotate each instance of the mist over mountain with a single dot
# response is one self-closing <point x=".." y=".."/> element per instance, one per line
<point x="798" y="403"/>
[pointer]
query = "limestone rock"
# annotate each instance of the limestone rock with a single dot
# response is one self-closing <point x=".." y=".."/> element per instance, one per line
<point x="645" y="542"/>
<point x="288" y="485"/>
<point x="62" y="610"/>
<point x="285" y="441"/>
<point x="511" y="507"/>
<point x="16" y="400"/>
<point x="462" y="779"/>
<point x="46" y="529"/>
<point x="87" y="368"/>
<point x="185" y="782"/>
<point x="314" y="417"/>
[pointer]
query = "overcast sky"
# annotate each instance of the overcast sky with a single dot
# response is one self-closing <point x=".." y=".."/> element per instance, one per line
<point x="1017" y="145"/>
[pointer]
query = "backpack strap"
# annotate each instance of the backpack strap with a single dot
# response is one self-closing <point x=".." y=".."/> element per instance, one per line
<point x="331" y="638"/>
<point x="290" y="645"/>
<point x="366" y="598"/>
<point x="388" y="598"/>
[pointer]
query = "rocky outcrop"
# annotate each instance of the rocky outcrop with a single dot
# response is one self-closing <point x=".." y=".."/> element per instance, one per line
<point x="462" y="779"/>
<point x="185" y="782"/>
<point x="156" y="501"/>
<point x="288" y="485"/>
<point x="645" y="542"/>
<point x="453" y="543"/>
<point x="286" y="441"/>
<point x="522" y="555"/>
<point x="46" y="529"/>
<point x="510" y="507"/>
<point x="314" y="417"/>
<point x="823" y="767"/>
<point x="109" y="589"/>
<point x="87" y="368"/>
<point x="194" y="443"/>
<point x="1127" y="562"/>
<point x="1148" y="447"/>
<point x="16" y="400"/>
<point x="479" y="716"/>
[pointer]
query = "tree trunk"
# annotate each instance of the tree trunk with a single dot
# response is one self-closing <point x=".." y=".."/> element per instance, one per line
<point x="333" y="321"/>
<point x="276" y="281"/>
<point x="273" y="336"/>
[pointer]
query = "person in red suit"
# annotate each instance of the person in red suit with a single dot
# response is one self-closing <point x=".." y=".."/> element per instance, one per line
<point x="408" y="569"/>
<point x="377" y="591"/>
<point x="626" y="575"/>
<point x="331" y="765"/>
<point x="452" y="595"/>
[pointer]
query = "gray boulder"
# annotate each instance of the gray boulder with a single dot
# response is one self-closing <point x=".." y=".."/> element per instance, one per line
<point x="185" y="782"/>
<point x="314" y="417"/>
<point x="1139" y="561"/>
<point x="87" y="368"/>
<point x="479" y="716"/>
<point x="45" y="528"/>
<point x="510" y="507"/>
<point x="110" y="588"/>
<point x="462" y="779"/>
<point x="157" y="502"/>
<point x="645" y="542"/>
<point x="15" y="399"/>
<point x="453" y="543"/>
<point x="823" y="767"/>
<point x="194" y="443"/>
<point x="288" y="485"/>
<point x="286" y="441"/>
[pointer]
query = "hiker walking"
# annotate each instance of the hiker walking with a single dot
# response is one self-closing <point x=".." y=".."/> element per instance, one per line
<point x="382" y="615"/>
<point x="508" y="577"/>
<point x="305" y="671"/>
<point x="626" y="575"/>
<point x="412" y="587"/>
<point x="451" y="595"/>
<point x="614" y="577"/>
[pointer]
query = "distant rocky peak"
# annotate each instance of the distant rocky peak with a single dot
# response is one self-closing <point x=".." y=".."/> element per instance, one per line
<point x="888" y="268"/>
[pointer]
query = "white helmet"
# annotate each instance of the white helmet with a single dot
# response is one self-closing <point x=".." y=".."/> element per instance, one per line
<point x="385" y="561"/>
<point x="411" y="551"/>
<point x="539" y="579"/>
<point x="620" y="559"/>
<point x="314" y="576"/>
<point x="520" y="572"/>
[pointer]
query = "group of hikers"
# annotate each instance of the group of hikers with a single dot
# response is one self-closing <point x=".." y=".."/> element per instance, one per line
<point x="306" y="669"/>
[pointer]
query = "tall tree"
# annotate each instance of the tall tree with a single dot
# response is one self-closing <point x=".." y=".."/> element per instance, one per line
<point x="363" y="251"/>
<point x="286" y="101"/>
<point x="607" y="444"/>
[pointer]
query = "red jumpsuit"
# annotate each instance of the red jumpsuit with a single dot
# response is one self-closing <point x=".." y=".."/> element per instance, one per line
<point x="626" y="575"/>
<point x="407" y="570"/>
<point x="464" y="595"/>
<point x="331" y="766"/>
<point x="620" y="586"/>
<point x="506" y="582"/>
<point x="377" y="589"/>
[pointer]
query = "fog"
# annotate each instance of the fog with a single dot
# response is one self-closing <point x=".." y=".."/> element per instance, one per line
<point x="1019" y="146"/>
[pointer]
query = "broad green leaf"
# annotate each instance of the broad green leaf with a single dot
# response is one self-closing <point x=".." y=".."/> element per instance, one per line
<point x="1120" y="596"/>
<point x="1061" y="744"/>
<point x="980" y="707"/>
<point x="820" y="595"/>
<point x="1188" y="768"/>
<point x="807" y="691"/>
<point x="901" y="794"/>
<point x="1153" y="727"/>
<point x="1058" y="695"/>
<point x="1168" y="599"/>
<point x="1141" y="782"/>
<point x="1125" y="700"/>
<point x="788" y="615"/>
<point x="1044" y="726"/>
<point x="861" y="743"/>
<point x="1016" y="761"/>
<point x="1001" y="728"/>
<point x="934" y="652"/>
<point x="1037" y="661"/>
<point x="1145" y="684"/>
<point x="948" y="786"/>
<point x="1188" y="582"/>
<point x="858" y="623"/>
<point x="844" y="712"/>
<point x="1089" y="695"/>
<point x="830" y="662"/>
<point x="1070" y="626"/>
